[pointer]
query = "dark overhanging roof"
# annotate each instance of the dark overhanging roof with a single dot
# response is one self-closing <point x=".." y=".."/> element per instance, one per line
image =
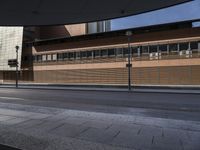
<point x="59" y="12"/>
<point x="138" y="30"/>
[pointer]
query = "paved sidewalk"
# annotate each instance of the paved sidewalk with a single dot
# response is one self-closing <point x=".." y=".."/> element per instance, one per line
<point x="44" y="128"/>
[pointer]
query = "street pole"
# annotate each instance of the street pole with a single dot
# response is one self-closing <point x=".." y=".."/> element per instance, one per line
<point x="17" y="48"/>
<point x="129" y="65"/>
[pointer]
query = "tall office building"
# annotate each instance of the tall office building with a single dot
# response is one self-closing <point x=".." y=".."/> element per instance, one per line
<point x="98" y="27"/>
<point x="10" y="37"/>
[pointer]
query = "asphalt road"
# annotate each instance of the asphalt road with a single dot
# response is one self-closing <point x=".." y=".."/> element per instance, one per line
<point x="163" y="105"/>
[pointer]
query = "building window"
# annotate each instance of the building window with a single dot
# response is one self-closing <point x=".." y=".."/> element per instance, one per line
<point x="34" y="58"/>
<point x="49" y="57"/>
<point x="71" y="55"/>
<point x="194" y="45"/>
<point x="153" y="49"/>
<point x="104" y="53"/>
<point x="134" y="51"/>
<point x="163" y="48"/>
<point x="125" y="51"/>
<point x="78" y="55"/>
<point x="145" y="49"/>
<point x="111" y="52"/>
<point x="173" y="47"/>
<point x="60" y="56"/>
<point x="39" y="58"/>
<point x="54" y="57"/>
<point x="97" y="53"/>
<point x="83" y="54"/>
<point x="183" y="46"/>
<point x="65" y="56"/>
<point x="119" y="51"/>
<point x="44" y="57"/>
<point x="89" y="54"/>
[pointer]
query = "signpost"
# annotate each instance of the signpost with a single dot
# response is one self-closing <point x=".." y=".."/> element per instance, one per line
<point x="17" y="48"/>
<point x="14" y="63"/>
<point x="129" y="65"/>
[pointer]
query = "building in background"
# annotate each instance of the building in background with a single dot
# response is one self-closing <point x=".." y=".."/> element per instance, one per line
<point x="10" y="37"/>
<point x="166" y="54"/>
<point x="98" y="27"/>
<point x="63" y="31"/>
<point x="52" y="32"/>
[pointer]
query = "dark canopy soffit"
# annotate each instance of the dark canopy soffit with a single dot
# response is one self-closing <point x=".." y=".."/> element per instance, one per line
<point x="55" y="12"/>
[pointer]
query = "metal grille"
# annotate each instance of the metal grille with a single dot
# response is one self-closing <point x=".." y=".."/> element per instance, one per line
<point x="179" y="75"/>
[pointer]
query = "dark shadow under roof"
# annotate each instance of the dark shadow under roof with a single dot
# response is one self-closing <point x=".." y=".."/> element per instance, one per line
<point x="60" y="12"/>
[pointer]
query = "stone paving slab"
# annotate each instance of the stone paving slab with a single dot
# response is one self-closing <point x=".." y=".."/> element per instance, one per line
<point x="25" y="114"/>
<point x="4" y="118"/>
<point x="14" y="121"/>
<point x="59" y="116"/>
<point x="97" y="124"/>
<point x="73" y="129"/>
<point x="31" y="123"/>
<point x="69" y="130"/>
<point x="99" y="135"/>
<point x="132" y="141"/>
<point x="33" y="140"/>
<point x="48" y="126"/>
<point x="76" y="120"/>
<point x="30" y="108"/>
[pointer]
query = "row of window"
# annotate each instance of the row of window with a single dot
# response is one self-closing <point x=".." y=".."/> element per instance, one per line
<point x="119" y="52"/>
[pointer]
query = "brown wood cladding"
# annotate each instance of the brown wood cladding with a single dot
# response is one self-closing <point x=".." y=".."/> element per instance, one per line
<point x="177" y="75"/>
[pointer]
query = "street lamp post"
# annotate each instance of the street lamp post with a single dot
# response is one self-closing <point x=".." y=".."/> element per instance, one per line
<point x="129" y="65"/>
<point x="17" y="48"/>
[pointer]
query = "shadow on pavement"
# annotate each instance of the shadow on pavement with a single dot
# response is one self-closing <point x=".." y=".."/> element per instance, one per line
<point x="3" y="147"/>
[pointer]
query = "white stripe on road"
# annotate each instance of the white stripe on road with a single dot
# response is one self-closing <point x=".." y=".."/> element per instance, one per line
<point x="12" y="98"/>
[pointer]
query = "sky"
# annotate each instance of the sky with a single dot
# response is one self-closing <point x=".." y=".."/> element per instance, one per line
<point x="187" y="11"/>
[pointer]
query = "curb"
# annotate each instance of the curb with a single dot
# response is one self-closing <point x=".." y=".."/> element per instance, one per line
<point x="135" y="90"/>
